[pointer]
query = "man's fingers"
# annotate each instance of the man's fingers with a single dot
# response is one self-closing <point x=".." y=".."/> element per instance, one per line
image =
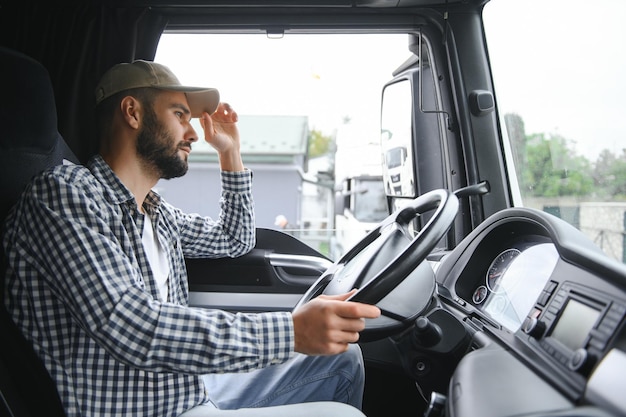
<point x="340" y="297"/>
<point x="206" y="122"/>
<point x="351" y="325"/>
<point x="327" y="324"/>
<point x="351" y="309"/>
<point x="225" y="114"/>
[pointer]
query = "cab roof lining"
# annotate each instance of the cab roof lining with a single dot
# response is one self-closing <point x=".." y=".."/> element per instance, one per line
<point x="262" y="4"/>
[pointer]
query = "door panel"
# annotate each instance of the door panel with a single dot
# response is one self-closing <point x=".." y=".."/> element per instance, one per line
<point x="273" y="276"/>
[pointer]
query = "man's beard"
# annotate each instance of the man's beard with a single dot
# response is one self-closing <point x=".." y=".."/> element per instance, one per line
<point x="155" y="148"/>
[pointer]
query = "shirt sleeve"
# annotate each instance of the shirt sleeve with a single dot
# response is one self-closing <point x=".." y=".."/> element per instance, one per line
<point x="234" y="233"/>
<point x="65" y="244"/>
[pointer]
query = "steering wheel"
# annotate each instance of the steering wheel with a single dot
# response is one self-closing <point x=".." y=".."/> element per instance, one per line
<point x="385" y="257"/>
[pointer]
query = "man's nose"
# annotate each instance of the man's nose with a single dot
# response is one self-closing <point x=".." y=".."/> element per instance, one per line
<point x="191" y="135"/>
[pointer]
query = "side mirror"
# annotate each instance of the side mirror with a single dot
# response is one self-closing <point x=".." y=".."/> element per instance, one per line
<point x="397" y="138"/>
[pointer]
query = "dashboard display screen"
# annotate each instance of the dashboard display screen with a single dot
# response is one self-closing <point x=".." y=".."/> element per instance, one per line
<point x="574" y="324"/>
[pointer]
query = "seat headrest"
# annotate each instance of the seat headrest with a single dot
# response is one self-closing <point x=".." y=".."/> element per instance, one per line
<point x="29" y="139"/>
<point x="27" y="109"/>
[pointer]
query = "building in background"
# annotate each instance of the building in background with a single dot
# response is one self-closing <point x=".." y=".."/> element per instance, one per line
<point x="273" y="147"/>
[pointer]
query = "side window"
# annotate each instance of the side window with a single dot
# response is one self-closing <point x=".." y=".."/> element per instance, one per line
<point x="309" y="110"/>
<point x="558" y="70"/>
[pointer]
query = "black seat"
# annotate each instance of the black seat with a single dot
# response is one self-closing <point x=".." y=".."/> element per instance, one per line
<point x="29" y="143"/>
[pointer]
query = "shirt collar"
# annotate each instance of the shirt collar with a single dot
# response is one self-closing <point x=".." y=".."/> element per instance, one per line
<point x="116" y="190"/>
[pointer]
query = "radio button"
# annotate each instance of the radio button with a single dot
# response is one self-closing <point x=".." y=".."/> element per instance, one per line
<point x="533" y="327"/>
<point x="581" y="361"/>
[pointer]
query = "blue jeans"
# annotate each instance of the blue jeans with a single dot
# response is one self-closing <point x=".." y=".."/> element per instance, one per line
<point x="301" y="379"/>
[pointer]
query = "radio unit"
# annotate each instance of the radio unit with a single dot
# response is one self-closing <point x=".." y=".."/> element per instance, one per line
<point x="575" y="327"/>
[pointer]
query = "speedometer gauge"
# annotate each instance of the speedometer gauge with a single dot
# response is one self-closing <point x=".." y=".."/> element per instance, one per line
<point x="498" y="267"/>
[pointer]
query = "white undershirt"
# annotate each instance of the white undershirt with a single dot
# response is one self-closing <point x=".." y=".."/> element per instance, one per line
<point x="157" y="258"/>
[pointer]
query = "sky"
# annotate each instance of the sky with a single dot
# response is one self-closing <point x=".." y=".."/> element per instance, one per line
<point x="563" y="71"/>
<point x="561" y="65"/>
<point x="295" y="75"/>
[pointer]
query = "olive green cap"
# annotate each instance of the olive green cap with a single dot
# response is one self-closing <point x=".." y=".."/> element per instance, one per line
<point x="142" y="73"/>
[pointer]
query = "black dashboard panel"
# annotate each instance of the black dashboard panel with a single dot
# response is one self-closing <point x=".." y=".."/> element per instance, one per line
<point x="537" y="288"/>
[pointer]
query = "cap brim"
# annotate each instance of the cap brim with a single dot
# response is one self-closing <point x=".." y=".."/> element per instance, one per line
<point x="200" y="99"/>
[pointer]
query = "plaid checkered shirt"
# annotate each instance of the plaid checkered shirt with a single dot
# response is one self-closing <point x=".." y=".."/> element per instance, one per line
<point x="80" y="288"/>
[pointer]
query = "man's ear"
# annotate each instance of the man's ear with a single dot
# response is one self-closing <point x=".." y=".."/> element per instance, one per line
<point x="131" y="111"/>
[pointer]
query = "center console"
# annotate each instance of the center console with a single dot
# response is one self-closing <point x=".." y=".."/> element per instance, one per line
<point x="573" y="324"/>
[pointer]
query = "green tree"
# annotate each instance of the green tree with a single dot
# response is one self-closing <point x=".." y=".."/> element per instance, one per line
<point x="547" y="166"/>
<point x="319" y="144"/>
<point x="553" y="169"/>
<point x="602" y="173"/>
<point x="617" y="178"/>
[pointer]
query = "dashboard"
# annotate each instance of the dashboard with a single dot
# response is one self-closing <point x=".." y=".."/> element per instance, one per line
<point x="547" y="310"/>
<point x="514" y="280"/>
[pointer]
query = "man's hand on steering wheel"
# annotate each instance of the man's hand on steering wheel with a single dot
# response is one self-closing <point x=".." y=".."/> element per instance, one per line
<point x="326" y="325"/>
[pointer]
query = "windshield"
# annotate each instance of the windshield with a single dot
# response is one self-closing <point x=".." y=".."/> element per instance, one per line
<point x="370" y="203"/>
<point x="558" y="68"/>
<point x="394" y="157"/>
